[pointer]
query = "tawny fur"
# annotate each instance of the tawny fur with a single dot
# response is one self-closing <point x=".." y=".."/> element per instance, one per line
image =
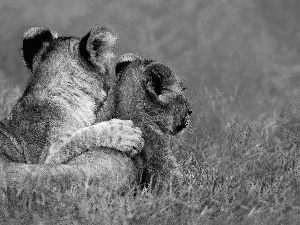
<point x="62" y="95"/>
<point x="151" y="95"/>
<point x="148" y="93"/>
<point x="68" y="85"/>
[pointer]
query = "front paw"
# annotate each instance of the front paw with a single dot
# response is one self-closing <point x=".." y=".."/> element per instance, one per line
<point x="123" y="136"/>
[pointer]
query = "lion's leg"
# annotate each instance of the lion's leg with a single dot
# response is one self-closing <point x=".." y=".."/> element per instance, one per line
<point x="117" y="134"/>
<point x="109" y="167"/>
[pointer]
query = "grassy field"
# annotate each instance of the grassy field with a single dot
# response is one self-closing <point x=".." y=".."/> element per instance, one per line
<point x="243" y="177"/>
<point x="240" y="62"/>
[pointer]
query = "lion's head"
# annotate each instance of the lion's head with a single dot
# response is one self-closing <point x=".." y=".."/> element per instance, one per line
<point x="150" y="91"/>
<point x="63" y="64"/>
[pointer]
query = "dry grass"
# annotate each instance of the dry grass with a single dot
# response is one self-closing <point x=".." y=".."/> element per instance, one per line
<point x="241" y="178"/>
<point x="246" y="53"/>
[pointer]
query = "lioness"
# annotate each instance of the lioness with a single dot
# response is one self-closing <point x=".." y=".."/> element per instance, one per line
<point x="70" y="78"/>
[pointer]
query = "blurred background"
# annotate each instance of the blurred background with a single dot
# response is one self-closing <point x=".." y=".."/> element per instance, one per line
<point x="237" y="57"/>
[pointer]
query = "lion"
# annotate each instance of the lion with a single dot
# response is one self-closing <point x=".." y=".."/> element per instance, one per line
<point x="146" y="92"/>
<point x="69" y="82"/>
<point x="152" y="96"/>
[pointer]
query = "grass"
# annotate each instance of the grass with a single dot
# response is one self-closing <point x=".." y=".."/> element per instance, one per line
<point x="239" y="176"/>
<point x="244" y="177"/>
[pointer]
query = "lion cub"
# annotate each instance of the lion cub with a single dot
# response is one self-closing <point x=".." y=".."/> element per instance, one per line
<point x="69" y="82"/>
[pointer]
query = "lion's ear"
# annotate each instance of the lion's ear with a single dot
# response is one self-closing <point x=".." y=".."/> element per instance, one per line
<point x="34" y="39"/>
<point x="160" y="82"/>
<point x="124" y="60"/>
<point x="96" y="47"/>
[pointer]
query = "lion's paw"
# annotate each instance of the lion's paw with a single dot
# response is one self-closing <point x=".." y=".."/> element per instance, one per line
<point x="121" y="135"/>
